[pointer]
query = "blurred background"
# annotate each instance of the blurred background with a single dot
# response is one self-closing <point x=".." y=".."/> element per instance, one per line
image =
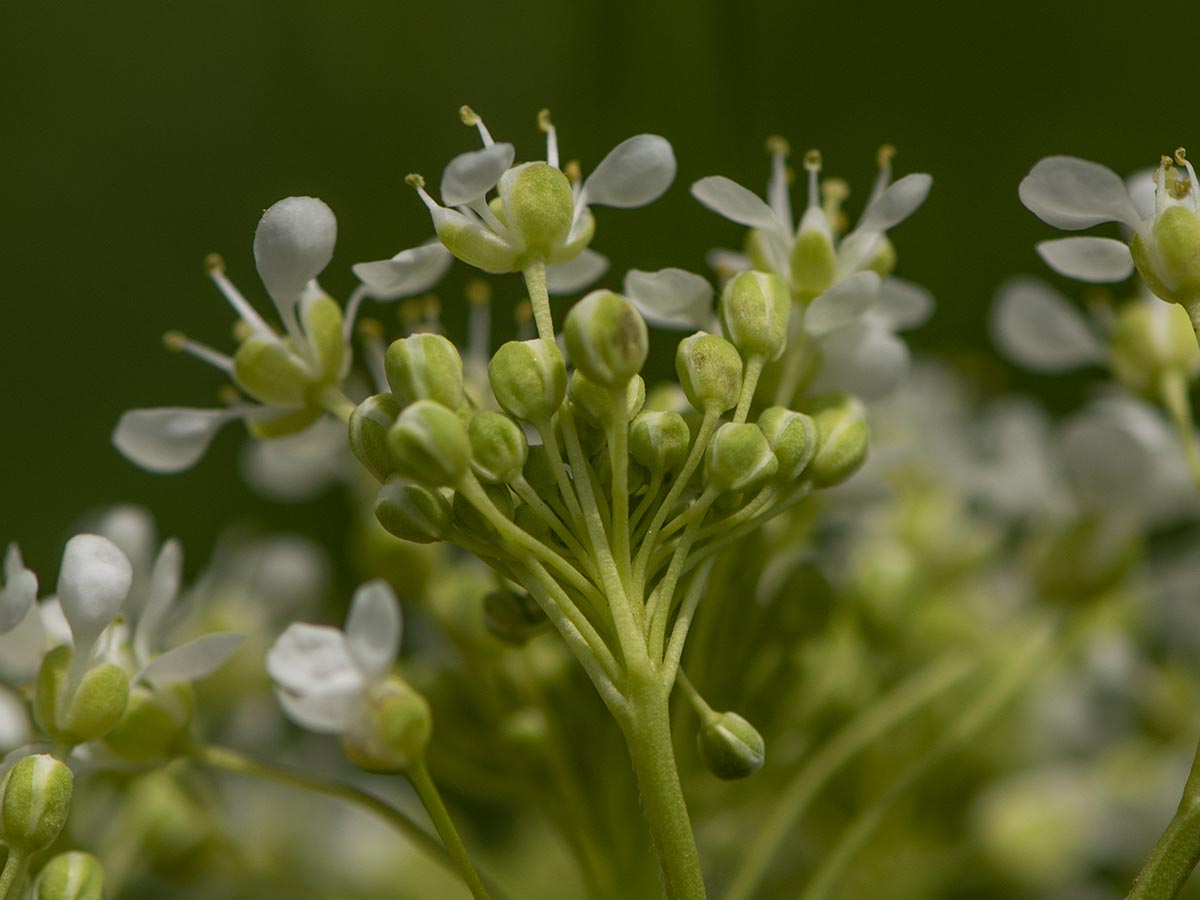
<point x="142" y="135"/>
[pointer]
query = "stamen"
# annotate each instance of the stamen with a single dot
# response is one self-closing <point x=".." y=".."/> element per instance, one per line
<point x="471" y="118"/>
<point x="812" y="163"/>
<point x="352" y="306"/>
<point x="1161" y="176"/>
<point x="229" y="395"/>
<point x="431" y="313"/>
<point x="834" y="192"/>
<point x="1184" y="188"/>
<point x="370" y="335"/>
<point x="241" y="331"/>
<point x="410" y="316"/>
<point x="178" y="342"/>
<point x="215" y="266"/>
<point x="479" y="324"/>
<point x="778" y="195"/>
<point x="417" y="182"/>
<point x="524" y="318"/>
<point x="548" y="129"/>
<point x="573" y="171"/>
<point x="883" y="159"/>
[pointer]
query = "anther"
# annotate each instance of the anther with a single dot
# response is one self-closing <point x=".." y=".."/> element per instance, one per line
<point x="812" y="160"/>
<point x="214" y="263"/>
<point x="175" y="341"/>
<point x="471" y="118"/>
<point x="884" y="156"/>
<point x="778" y="146"/>
<point x="229" y="395"/>
<point x="548" y="129"/>
<point x="478" y="292"/>
<point x="573" y="171"/>
<point x="413" y="180"/>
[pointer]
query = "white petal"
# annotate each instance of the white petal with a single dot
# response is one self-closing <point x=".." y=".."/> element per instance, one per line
<point x="54" y="623"/>
<point x="636" y="172"/>
<point x="297" y="467"/>
<point x="168" y="439"/>
<point x="671" y="298"/>
<point x="22" y="648"/>
<point x="575" y="274"/>
<point x="470" y="175"/>
<point x="729" y="199"/>
<point x="409" y="272"/>
<point x="863" y="359"/>
<point x="1072" y="194"/>
<point x="1037" y="327"/>
<point x="903" y="304"/>
<point x="192" y="661"/>
<point x="292" y="245"/>
<point x="1140" y="185"/>
<point x="19" y="591"/>
<point x="727" y="263"/>
<point x="307" y="658"/>
<point x="15" y="728"/>
<point x="842" y="303"/>
<point x="160" y="597"/>
<point x="373" y="628"/>
<point x="93" y="582"/>
<point x="327" y="712"/>
<point x="1094" y="259"/>
<point x="1111" y="451"/>
<point x="897" y="203"/>
<point x="132" y="529"/>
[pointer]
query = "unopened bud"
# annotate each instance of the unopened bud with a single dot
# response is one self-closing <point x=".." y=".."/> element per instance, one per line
<point x="755" y="307"/>
<point x="369" y="426"/>
<point x="394" y="729"/>
<point x="425" y="366"/>
<point x="529" y="379"/>
<point x="429" y="445"/>
<point x="35" y="798"/>
<point x="472" y="521"/>
<point x="593" y="400"/>
<point x="1169" y="259"/>
<point x="1151" y="339"/>
<point x="92" y="711"/>
<point x="412" y="513"/>
<point x="70" y="876"/>
<point x="844" y="438"/>
<point x="659" y="440"/>
<point x="499" y="449"/>
<point x="513" y="617"/>
<point x="606" y="338"/>
<point x="710" y="372"/>
<point x="539" y="471"/>
<point x="739" y="458"/>
<point x="731" y="747"/>
<point x="793" y="439"/>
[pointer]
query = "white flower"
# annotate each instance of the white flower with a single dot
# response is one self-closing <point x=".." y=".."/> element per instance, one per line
<point x="295" y="376"/>
<point x="497" y="236"/>
<point x="672" y="298"/>
<point x="323" y="675"/>
<point x="19" y="590"/>
<point x="1036" y="326"/>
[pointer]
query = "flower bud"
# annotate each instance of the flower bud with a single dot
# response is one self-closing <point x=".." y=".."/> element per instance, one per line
<point x="513" y="617"/>
<point x="1169" y="260"/>
<point x="755" y="307"/>
<point x="538" y="207"/>
<point x="730" y="746"/>
<point x="470" y="520"/>
<point x="844" y="437"/>
<point x="607" y="338"/>
<point x="1151" y="339"/>
<point x="429" y="445"/>
<point x="271" y="373"/>
<point x="659" y="441"/>
<point x="92" y="711"/>
<point x="539" y="472"/>
<point x="710" y="372"/>
<point x="498" y="447"/>
<point x="412" y="513"/>
<point x="70" y="876"/>
<point x="155" y="724"/>
<point x="35" y="798"/>
<point x="792" y="437"/>
<point x="594" y="400"/>
<point x="369" y="426"/>
<point x="425" y="367"/>
<point x="739" y="458"/>
<point x="529" y="379"/>
<point x="394" y="730"/>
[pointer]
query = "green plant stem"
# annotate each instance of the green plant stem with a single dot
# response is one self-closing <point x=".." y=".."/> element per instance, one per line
<point x="888" y="711"/>
<point x="683" y="622"/>
<point x="658" y="613"/>
<point x="14" y="868"/>
<point x="539" y="299"/>
<point x="754" y="367"/>
<point x="337" y="403"/>
<point x="526" y="492"/>
<point x="565" y="487"/>
<point x="618" y="450"/>
<point x="431" y="799"/>
<point x="655" y="486"/>
<point x="1177" y="851"/>
<point x="1174" y="391"/>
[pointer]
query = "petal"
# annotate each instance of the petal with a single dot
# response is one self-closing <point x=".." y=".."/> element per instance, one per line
<point x="727" y="263"/>
<point x="671" y="298"/>
<point x="168" y="439"/>
<point x="93" y="582"/>
<point x="15" y="727"/>
<point x="292" y="245"/>
<point x="132" y="529"/>
<point x="296" y="467"/>
<point x="903" y="304"/>
<point x="897" y="203"/>
<point x="309" y="658"/>
<point x="407" y="273"/>
<point x="373" y="628"/>
<point x="1036" y="327"/>
<point x="1140" y="185"/>
<point x="729" y="199"/>
<point x="22" y="648"/>
<point x="160" y="597"/>
<point x="843" y="303"/>
<point x="863" y="358"/>
<point x="1092" y="259"/>
<point x="576" y="274"/>
<point x="192" y="661"/>
<point x="1072" y="194"/>
<point x="19" y="591"/>
<point x="326" y="712"/>
<point x="636" y="172"/>
<point x="471" y="175"/>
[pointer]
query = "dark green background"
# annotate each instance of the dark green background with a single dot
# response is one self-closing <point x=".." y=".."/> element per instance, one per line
<point x="138" y="136"/>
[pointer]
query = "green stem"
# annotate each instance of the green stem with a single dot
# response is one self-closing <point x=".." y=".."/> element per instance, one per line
<point x="427" y="791"/>
<point x="754" y="369"/>
<point x="539" y="298"/>
<point x="618" y="449"/>
<point x="1177" y="851"/>
<point x="337" y="403"/>
<point x="14" y="868"/>
<point x="1174" y="390"/>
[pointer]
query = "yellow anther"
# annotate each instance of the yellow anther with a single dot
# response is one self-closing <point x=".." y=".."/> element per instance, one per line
<point x="544" y="123"/>
<point x="369" y="329"/>
<point x="884" y="156"/>
<point x="778" y="146"/>
<point x="242" y="330"/>
<point x="812" y="160"/>
<point x="834" y="190"/>
<point x="1181" y="156"/>
<point x="468" y="115"/>
<point x="175" y="340"/>
<point x="410" y="312"/>
<point x="214" y="263"/>
<point x="573" y="171"/>
<point x="524" y="312"/>
<point x="413" y="180"/>
<point x="478" y="292"/>
<point x="229" y="395"/>
<point x="431" y="306"/>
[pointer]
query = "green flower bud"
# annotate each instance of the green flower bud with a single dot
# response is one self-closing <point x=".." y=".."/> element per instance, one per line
<point x="324" y="328"/>
<point x="755" y="307"/>
<point x="513" y="617"/>
<point x="1151" y="339"/>
<point x="1169" y="261"/>
<point x="844" y="437"/>
<point x="659" y="441"/>
<point x="412" y="513"/>
<point x="429" y="445"/>
<point x="472" y="521"/>
<point x="92" y="711"/>
<point x="369" y="426"/>
<point x="730" y="746"/>
<point x="155" y="725"/>
<point x="607" y="338"/>
<point x="529" y="379"/>
<point x="793" y="439"/>
<point x="538" y="470"/>
<point x="394" y="730"/>
<point x="70" y="876"/>
<point x="593" y="400"/>
<point x="739" y="458"/>
<point x="499" y="449"/>
<point x="539" y="207"/>
<point x="271" y="373"/>
<point x="425" y="367"/>
<point x="35" y="797"/>
<point x="710" y="372"/>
